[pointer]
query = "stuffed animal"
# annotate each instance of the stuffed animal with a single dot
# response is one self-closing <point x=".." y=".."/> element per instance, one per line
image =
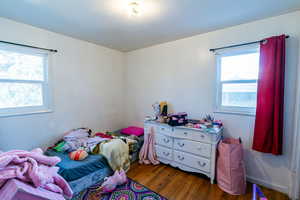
<point x="163" y="108"/>
<point x="78" y="155"/>
<point x="156" y="109"/>
<point x="113" y="181"/>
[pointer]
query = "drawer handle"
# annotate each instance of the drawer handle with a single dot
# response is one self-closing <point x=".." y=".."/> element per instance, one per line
<point x="199" y="148"/>
<point x="202" y="136"/>
<point x="202" y="164"/>
<point x="185" y="133"/>
<point x="180" y="157"/>
<point x="166" y="153"/>
<point x="180" y="144"/>
<point x="166" y="140"/>
<point x="162" y="129"/>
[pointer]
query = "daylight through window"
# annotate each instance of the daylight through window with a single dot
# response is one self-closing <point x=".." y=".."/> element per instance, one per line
<point x="24" y="84"/>
<point x="237" y="80"/>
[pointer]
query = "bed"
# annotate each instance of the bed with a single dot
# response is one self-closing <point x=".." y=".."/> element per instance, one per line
<point x="83" y="174"/>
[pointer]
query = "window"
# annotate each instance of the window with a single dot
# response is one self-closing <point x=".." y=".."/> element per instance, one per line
<point x="24" y="85"/>
<point x="237" y="80"/>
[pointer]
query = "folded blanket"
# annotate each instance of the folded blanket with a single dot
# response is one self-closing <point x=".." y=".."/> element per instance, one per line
<point x="33" y="167"/>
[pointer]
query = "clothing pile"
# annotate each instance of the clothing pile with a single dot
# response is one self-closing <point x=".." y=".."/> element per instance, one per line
<point x="78" y="139"/>
<point x="131" y="140"/>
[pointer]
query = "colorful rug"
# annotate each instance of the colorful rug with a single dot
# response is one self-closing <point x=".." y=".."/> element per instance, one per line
<point x="129" y="191"/>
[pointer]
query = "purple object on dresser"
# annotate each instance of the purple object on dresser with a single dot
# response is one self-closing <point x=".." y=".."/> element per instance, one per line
<point x="17" y="190"/>
<point x="178" y="119"/>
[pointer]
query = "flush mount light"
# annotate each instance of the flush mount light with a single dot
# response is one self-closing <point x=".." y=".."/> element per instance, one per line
<point x="134" y="8"/>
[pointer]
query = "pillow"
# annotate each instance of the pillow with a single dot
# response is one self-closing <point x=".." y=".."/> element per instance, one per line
<point x="133" y="130"/>
<point x="78" y="155"/>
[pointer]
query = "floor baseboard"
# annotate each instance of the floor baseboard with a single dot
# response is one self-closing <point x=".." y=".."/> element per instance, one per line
<point x="280" y="188"/>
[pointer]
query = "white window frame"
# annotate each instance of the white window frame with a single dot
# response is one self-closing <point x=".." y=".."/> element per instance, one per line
<point x="218" y="103"/>
<point x="46" y="86"/>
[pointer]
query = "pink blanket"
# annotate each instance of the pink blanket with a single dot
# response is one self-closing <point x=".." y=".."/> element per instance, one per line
<point x="148" y="154"/>
<point x="33" y="167"/>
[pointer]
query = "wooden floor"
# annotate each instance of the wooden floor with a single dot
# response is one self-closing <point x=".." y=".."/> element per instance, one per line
<point x="175" y="184"/>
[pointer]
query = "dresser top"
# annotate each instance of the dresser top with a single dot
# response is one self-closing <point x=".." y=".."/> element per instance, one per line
<point x="206" y="130"/>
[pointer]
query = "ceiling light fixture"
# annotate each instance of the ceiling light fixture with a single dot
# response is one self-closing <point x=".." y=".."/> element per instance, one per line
<point x="134" y="8"/>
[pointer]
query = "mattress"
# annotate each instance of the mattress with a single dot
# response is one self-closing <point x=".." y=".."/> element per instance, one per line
<point x="72" y="170"/>
<point x="95" y="178"/>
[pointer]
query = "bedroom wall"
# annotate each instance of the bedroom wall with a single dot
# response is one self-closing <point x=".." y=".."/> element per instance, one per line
<point x="87" y="89"/>
<point x="183" y="73"/>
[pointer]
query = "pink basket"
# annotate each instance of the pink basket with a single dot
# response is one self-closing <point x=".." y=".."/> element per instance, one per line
<point x="230" y="167"/>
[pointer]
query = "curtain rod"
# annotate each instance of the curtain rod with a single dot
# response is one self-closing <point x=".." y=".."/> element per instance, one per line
<point x="237" y="45"/>
<point x="24" y="45"/>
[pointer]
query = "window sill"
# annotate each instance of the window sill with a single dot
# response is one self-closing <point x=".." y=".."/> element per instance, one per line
<point x="251" y="114"/>
<point x="25" y="113"/>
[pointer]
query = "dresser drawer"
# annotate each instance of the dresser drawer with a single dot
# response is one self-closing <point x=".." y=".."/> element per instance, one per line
<point x="192" y="161"/>
<point x="165" y="130"/>
<point x="192" y="135"/>
<point x="164" y="140"/>
<point x="198" y="148"/>
<point x="163" y="152"/>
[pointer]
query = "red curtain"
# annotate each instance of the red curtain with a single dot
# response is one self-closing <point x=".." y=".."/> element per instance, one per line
<point x="268" y="131"/>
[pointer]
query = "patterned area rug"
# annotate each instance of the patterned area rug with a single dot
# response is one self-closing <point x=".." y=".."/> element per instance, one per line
<point x="129" y="191"/>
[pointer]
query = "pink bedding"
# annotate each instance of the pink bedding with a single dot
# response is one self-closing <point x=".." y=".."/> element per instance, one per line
<point x="35" y="168"/>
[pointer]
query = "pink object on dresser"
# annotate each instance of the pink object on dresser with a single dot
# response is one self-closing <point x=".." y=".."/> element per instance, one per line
<point x="133" y="130"/>
<point x="230" y="167"/>
<point x="17" y="190"/>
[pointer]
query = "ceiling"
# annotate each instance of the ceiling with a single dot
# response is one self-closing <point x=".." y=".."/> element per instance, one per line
<point x="107" y="23"/>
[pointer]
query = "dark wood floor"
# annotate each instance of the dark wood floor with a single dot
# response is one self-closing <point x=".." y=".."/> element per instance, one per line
<point x="175" y="184"/>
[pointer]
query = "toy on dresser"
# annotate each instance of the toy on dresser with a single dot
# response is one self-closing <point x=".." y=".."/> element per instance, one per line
<point x="160" y="112"/>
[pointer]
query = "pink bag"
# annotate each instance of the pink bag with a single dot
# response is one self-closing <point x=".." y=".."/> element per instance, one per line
<point x="230" y="167"/>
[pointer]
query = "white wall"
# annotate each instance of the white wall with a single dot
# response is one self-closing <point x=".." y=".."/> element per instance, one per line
<point x="87" y="89"/>
<point x="183" y="73"/>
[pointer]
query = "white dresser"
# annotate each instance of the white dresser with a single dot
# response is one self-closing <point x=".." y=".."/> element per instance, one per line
<point x="189" y="149"/>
